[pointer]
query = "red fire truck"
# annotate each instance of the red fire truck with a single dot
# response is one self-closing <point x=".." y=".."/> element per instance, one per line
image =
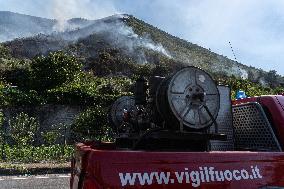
<point x="183" y="131"/>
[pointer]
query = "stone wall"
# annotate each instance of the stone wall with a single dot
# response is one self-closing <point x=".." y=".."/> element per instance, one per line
<point x="48" y="116"/>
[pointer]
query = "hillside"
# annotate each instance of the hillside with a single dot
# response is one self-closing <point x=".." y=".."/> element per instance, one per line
<point x="14" y="25"/>
<point x="126" y="38"/>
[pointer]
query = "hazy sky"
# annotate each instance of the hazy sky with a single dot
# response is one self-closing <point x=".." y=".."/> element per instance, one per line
<point x="255" y="28"/>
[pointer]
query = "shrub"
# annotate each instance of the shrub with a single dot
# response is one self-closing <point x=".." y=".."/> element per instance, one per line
<point x="23" y="128"/>
<point x="91" y="124"/>
<point x="54" y="134"/>
<point x="251" y="89"/>
<point x="30" y="154"/>
<point x="12" y="96"/>
<point x="89" y="90"/>
<point x="54" y="70"/>
<point x="2" y="137"/>
<point x="19" y="77"/>
<point x="4" y="52"/>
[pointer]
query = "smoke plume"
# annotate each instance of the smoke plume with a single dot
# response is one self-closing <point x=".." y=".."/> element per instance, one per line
<point x="67" y="9"/>
<point x="119" y="33"/>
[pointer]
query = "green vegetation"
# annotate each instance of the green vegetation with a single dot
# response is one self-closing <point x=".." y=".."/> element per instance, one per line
<point x="89" y="90"/>
<point x="58" y="79"/>
<point x="54" y="70"/>
<point x="251" y="88"/>
<point x="54" y="133"/>
<point x="21" y="148"/>
<point x="61" y="79"/>
<point x="92" y="124"/>
<point x="23" y="129"/>
<point x="28" y="154"/>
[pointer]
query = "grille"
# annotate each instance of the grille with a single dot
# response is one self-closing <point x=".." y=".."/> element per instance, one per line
<point x="252" y="129"/>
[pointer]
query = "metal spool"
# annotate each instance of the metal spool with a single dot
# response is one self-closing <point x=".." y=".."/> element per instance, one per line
<point x="119" y="106"/>
<point x="189" y="97"/>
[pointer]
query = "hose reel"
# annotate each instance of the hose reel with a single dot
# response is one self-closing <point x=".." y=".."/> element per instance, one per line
<point x="189" y="97"/>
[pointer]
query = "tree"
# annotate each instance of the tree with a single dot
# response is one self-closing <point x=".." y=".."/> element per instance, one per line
<point x="54" y="70"/>
<point x="4" y="52"/>
<point x="271" y="78"/>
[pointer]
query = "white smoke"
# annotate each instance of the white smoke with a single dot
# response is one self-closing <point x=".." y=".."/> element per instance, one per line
<point x="263" y="82"/>
<point x="148" y="43"/>
<point x="60" y="13"/>
<point x="123" y="36"/>
<point x="62" y="10"/>
<point x="239" y="72"/>
<point x="119" y="34"/>
<point x="234" y="70"/>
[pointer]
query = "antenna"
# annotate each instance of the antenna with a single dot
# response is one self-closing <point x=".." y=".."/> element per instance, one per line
<point x="235" y="59"/>
<point x="233" y="51"/>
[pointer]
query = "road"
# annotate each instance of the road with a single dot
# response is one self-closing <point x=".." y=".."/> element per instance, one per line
<point x="35" y="182"/>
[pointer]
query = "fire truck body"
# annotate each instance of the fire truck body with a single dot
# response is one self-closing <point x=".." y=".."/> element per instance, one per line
<point x="105" y="168"/>
<point x="212" y="144"/>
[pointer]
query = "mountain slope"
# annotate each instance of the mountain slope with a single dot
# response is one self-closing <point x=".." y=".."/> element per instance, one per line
<point x="126" y="37"/>
<point x="15" y="25"/>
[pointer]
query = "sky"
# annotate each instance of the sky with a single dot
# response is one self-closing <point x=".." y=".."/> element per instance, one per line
<point x="255" y="28"/>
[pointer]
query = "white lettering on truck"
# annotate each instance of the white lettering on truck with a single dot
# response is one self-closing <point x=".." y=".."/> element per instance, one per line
<point x="195" y="177"/>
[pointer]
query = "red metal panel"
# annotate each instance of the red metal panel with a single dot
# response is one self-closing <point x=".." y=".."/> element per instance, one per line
<point x="245" y="100"/>
<point x="272" y="103"/>
<point x="106" y="168"/>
